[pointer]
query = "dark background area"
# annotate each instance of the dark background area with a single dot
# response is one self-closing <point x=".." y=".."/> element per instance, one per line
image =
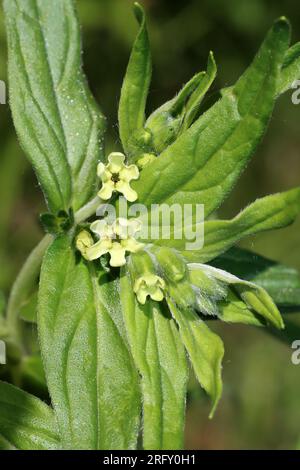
<point x="261" y="405"/>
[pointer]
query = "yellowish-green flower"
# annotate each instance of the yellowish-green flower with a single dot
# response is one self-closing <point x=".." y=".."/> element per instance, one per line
<point x="149" y="285"/>
<point x="116" y="176"/>
<point x="116" y="239"/>
<point x="84" y="241"/>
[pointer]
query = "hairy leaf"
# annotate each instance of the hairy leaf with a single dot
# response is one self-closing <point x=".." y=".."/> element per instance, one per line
<point x="290" y="69"/>
<point x="280" y="281"/>
<point x="91" y="377"/>
<point x="56" y="118"/>
<point x="270" y="212"/>
<point x="166" y="122"/>
<point x="136" y="85"/>
<point x="160" y="359"/>
<point x="5" y="445"/>
<point x="234" y="310"/>
<point x="195" y="100"/>
<point x="204" y="348"/>
<point x="205" y="162"/>
<point x="254" y="297"/>
<point x="177" y="114"/>
<point x="26" y="423"/>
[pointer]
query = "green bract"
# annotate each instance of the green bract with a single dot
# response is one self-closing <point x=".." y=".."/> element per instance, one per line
<point x="115" y="343"/>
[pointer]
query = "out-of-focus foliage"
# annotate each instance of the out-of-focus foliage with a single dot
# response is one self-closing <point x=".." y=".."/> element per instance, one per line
<point x="260" y="407"/>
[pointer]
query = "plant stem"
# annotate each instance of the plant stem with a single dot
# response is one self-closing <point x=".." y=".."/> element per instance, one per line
<point x="23" y="285"/>
<point x="89" y="209"/>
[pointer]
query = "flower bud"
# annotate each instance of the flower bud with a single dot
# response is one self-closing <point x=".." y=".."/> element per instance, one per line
<point x="208" y="285"/>
<point x="171" y="263"/>
<point x="166" y="122"/>
<point x="145" y="159"/>
<point x="146" y="283"/>
<point x="84" y="240"/>
<point x="141" y="141"/>
<point x="182" y="293"/>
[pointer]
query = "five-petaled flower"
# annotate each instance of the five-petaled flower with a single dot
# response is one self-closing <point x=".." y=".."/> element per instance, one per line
<point x="116" y="239"/>
<point x="116" y="176"/>
<point x="149" y="284"/>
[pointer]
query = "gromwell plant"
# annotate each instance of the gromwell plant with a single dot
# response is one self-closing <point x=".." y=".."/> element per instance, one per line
<point x="121" y="316"/>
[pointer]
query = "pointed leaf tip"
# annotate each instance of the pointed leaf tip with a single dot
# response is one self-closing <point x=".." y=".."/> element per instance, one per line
<point x="211" y="63"/>
<point x="139" y="12"/>
<point x="282" y="24"/>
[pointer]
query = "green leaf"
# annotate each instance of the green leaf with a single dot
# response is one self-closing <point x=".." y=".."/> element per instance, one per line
<point x="271" y="212"/>
<point x="205" y="162"/>
<point x="160" y="358"/>
<point x="234" y="310"/>
<point x="90" y="373"/>
<point x="26" y="423"/>
<point x="196" y="99"/>
<point x="59" y="223"/>
<point x="5" y="445"/>
<point x="280" y="281"/>
<point x="204" y="348"/>
<point x="176" y="115"/>
<point x="166" y="122"/>
<point x="254" y="297"/>
<point x="56" y="118"/>
<point x="290" y="69"/>
<point x="136" y="84"/>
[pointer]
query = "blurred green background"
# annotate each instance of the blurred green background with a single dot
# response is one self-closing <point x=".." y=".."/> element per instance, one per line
<point x="261" y="403"/>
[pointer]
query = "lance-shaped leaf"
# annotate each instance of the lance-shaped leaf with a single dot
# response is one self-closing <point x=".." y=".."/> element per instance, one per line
<point x="135" y="86"/>
<point x="90" y="373"/>
<point x="234" y="310"/>
<point x="160" y="359"/>
<point x="280" y="281"/>
<point x="166" y="121"/>
<point x="204" y="348"/>
<point x="26" y="423"/>
<point x="175" y="116"/>
<point x="254" y="297"/>
<point x="195" y="100"/>
<point x="290" y="71"/>
<point x="56" y="118"/>
<point x="271" y="212"/>
<point x="206" y="161"/>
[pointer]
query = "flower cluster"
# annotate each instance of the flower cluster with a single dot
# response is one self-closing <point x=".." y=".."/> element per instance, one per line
<point x="162" y="273"/>
<point x="116" y="238"/>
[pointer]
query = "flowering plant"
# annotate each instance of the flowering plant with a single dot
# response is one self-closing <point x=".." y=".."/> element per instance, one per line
<point x="120" y="314"/>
